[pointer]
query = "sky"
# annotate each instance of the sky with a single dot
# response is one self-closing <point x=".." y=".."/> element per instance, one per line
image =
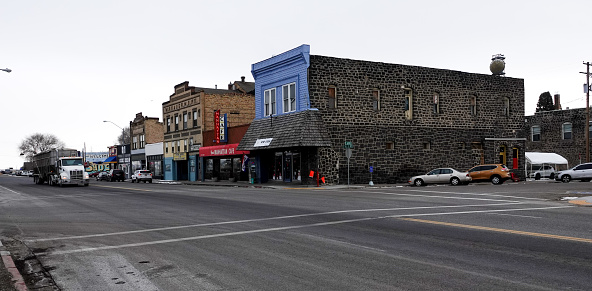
<point x="77" y="63"/>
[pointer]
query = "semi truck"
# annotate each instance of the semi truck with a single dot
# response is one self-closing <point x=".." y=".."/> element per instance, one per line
<point x="59" y="167"/>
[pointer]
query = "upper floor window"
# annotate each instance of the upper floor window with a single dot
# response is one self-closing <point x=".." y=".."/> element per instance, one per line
<point x="332" y="97"/>
<point x="506" y="108"/>
<point x="194" y="118"/>
<point x="176" y="122"/>
<point x="566" y="130"/>
<point x="289" y="96"/>
<point x="436" y="103"/>
<point x="376" y="99"/>
<point x="135" y="144"/>
<point x="142" y="141"/>
<point x="473" y="105"/>
<point x="408" y="104"/>
<point x="168" y="124"/>
<point x="536" y="133"/>
<point x="178" y="146"/>
<point x="166" y="147"/>
<point x="185" y="146"/>
<point x="184" y="120"/>
<point x="269" y="102"/>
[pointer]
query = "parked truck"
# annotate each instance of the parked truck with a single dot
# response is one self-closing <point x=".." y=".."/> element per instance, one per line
<point x="59" y="167"/>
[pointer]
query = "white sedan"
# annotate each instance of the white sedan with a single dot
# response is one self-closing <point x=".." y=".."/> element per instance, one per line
<point x="441" y="176"/>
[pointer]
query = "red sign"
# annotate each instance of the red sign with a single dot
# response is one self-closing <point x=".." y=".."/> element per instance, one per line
<point x="221" y="150"/>
<point x="217" y="125"/>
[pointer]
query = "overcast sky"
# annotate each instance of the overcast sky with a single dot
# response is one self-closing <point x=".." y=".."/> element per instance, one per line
<point x="76" y="63"/>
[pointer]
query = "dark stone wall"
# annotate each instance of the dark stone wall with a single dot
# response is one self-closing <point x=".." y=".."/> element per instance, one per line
<point x="551" y="124"/>
<point x="453" y="137"/>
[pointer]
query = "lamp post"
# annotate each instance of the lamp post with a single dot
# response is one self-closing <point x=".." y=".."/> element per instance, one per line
<point x="6" y="70"/>
<point x="129" y="170"/>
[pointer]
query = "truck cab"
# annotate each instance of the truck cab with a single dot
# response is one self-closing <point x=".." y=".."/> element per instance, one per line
<point x="71" y="172"/>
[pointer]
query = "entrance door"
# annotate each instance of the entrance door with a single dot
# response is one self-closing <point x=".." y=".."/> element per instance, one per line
<point x="287" y="167"/>
<point x="182" y="170"/>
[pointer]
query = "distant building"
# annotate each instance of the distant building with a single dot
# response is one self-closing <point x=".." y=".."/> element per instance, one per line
<point x="190" y="112"/>
<point x="401" y="120"/>
<point x="144" y="130"/>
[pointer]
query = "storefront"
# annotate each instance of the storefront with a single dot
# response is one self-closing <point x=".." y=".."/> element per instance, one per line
<point x="154" y="160"/>
<point x="223" y="162"/>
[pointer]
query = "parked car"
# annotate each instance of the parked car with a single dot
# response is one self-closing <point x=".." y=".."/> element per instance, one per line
<point x="103" y="176"/>
<point x="544" y="171"/>
<point x="116" y="175"/>
<point x="582" y="172"/>
<point x="441" y="176"/>
<point x="496" y="173"/>
<point x="142" y="175"/>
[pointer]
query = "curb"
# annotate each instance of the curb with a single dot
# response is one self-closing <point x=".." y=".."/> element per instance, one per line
<point x="19" y="282"/>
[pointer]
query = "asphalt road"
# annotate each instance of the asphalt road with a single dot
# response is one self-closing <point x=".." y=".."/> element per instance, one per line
<point x="124" y="236"/>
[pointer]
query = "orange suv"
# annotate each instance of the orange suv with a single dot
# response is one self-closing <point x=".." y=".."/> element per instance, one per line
<point x="496" y="173"/>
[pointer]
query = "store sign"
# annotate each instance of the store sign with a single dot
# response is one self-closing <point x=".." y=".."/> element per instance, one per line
<point x="179" y="156"/>
<point x="220" y="127"/>
<point x="221" y="150"/>
<point x="263" y="142"/>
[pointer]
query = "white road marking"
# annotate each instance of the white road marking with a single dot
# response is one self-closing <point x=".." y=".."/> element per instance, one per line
<point x="285" y="228"/>
<point x="526" y="216"/>
<point x="434" y="196"/>
<point x="483" y="194"/>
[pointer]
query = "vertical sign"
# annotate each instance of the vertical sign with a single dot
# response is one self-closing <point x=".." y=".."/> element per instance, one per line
<point x="223" y="128"/>
<point x="217" y="125"/>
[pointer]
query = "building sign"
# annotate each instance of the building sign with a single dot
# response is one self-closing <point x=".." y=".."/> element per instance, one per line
<point x="221" y="150"/>
<point x="179" y="156"/>
<point x="263" y="142"/>
<point x="96" y="157"/>
<point x="195" y="147"/>
<point x="220" y="127"/>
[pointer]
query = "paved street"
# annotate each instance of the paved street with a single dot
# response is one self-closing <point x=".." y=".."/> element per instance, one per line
<point x="124" y="236"/>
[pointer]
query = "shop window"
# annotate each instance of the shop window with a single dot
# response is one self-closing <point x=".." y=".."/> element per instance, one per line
<point x="536" y="133"/>
<point x="376" y="100"/>
<point x="566" y="129"/>
<point x="332" y="97"/>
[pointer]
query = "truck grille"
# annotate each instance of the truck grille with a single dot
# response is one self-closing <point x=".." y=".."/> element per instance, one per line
<point x="76" y="175"/>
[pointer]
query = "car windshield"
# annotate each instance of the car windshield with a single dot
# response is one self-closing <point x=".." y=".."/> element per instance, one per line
<point x="72" y="162"/>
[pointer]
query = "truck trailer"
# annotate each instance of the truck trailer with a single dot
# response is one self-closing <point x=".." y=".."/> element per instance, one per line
<point x="59" y="167"/>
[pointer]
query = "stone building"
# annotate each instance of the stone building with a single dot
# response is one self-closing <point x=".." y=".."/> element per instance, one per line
<point x="559" y="131"/>
<point x="192" y="110"/>
<point x="144" y="130"/>
<point x="401" y="120"/>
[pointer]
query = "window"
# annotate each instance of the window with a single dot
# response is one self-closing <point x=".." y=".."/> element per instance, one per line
<point x="178" y="146"/>
<point x="194" y="118"/>
<point x="166" y="147"/>
<point x="142" y="141"/>
<point x="269" y="100"/>
<point x="566" y="130"/>
<point x="332" y="97"/>
<point x="426" y="145"/>
<point x="506" y="108"/>
<point x="173" y="147"/>
<point x="289" y="96"/>
<point x="190" y="141"/>
<point x="473" y="105"/>
<point x="408" y="104"/>
<point x="168" y="124"/>
<point x="390" y="145"/>
<point x="176" y="122"/>
<point x="184" y="120"/>
<point x="536" y="133"/>
<point x="135" y="144"/>
<point x="185" y="146"/>
<point x="376" y="99"/>
<point x="436" y="103"/>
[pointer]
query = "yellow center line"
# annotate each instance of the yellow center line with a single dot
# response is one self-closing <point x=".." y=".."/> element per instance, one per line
<point x="123" y="188"/>
<point x="586" y="240"/>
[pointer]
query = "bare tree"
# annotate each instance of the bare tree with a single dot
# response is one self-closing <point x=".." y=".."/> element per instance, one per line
<point x="124" y="137"/>
<point x="37" y="143"/>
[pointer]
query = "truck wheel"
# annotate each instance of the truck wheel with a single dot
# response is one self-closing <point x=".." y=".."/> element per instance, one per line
<point x="537" y="176"/>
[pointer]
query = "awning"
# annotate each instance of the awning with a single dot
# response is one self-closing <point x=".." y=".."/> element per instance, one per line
<point x="536" y="158"/>
<point x="221" y="150"/>
<point x="111" y="160"/>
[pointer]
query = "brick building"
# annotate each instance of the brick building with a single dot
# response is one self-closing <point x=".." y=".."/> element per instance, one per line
<point x="145" y="130"/>
<point x="401" y="120"/>
<point x="190" y="112"/>
<point x="558" y="131"/>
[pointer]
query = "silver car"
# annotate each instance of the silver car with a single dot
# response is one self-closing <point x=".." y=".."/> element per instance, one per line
<point x="441" y="176"/>
<point x="582" y="172"/>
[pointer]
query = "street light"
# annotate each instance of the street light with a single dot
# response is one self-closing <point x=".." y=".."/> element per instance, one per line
<point x="6" y="70"/>
<point x="129" y="171"/>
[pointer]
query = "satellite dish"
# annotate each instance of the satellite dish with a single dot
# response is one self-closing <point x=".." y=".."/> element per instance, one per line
<point x="497" y="65"/>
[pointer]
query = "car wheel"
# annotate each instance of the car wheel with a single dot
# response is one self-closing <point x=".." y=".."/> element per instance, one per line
<point x="537" y="176"/>
<point x="565" y="178"/>
<point x="552" y="176"/>
<point x="150" y="181"/>
<point x="418" y="182"/>
<point x="132" y="180"/>
<point x="454" y="181"/>
<point x="496" y="180"/>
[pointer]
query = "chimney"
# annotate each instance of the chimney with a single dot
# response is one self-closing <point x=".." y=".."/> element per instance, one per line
<point x="230" y="86"/>
<point x="557" y="105"/>
<point x="243" y="79"/>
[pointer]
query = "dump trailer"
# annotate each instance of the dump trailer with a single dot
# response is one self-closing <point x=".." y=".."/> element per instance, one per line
<point x="59" y="167"/>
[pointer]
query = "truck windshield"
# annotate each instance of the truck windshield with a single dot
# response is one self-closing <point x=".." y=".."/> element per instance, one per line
<point x="72" y="162"/>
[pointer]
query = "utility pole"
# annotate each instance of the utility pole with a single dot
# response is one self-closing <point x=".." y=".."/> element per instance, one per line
<point x="587" y="127"/>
